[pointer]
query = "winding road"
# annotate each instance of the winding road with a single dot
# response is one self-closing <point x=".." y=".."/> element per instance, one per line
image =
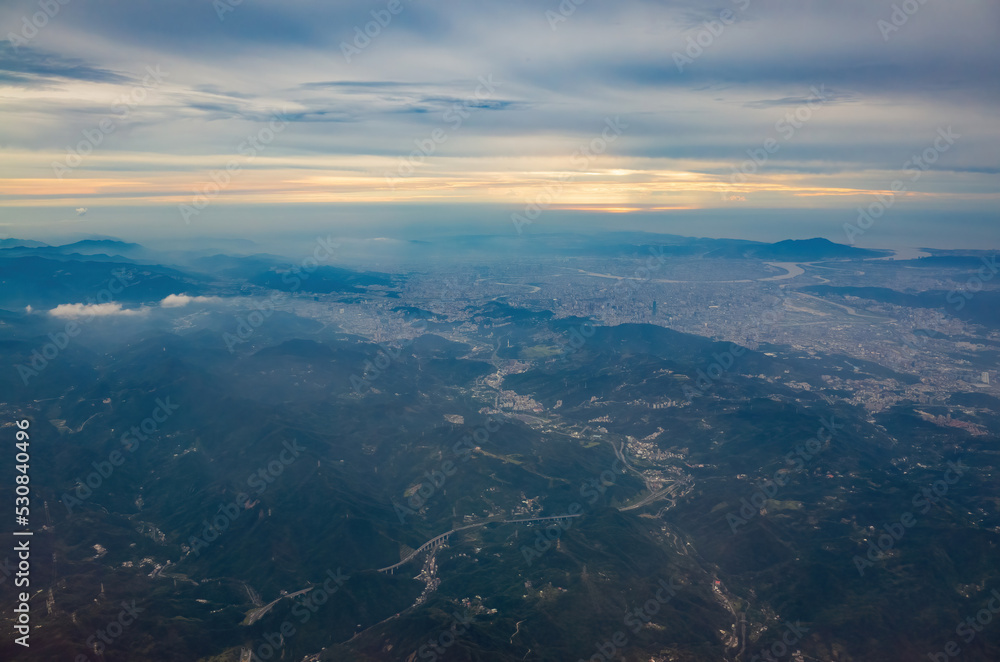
<point x="437" y="540"/>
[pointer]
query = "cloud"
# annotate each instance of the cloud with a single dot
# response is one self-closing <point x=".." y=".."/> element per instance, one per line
<point x="76" y="310"/>
<point x="821" y="94"/>
<point x="181" y="300"/>
<point x="408" y="102"/>
<point x="81" y="211"/>
<point x="30" y="67"/>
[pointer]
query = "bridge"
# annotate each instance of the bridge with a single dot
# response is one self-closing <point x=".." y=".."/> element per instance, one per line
<point x="439" y="540"/>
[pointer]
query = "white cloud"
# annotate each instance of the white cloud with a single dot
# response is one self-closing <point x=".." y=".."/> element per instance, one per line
<point x="180" y="300"/>
<point x="74" y="310"/>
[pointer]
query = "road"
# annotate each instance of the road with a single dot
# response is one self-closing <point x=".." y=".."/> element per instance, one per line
<point x="436" y="540"/>
<point x="654" y="496"/>
<point x="256" y="614"/>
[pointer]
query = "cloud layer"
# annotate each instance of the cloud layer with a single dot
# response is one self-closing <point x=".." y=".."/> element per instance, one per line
<point x="147" y="103"/>
<point x="79" y="310"/>
<point x="181" y="300"/>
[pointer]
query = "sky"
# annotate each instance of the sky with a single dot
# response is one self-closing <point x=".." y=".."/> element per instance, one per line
<point x="763" y="117"/>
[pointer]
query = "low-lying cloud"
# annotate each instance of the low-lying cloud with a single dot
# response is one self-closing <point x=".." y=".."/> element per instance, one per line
<point x="75" y="310"/>
<point x="181" y="300"/>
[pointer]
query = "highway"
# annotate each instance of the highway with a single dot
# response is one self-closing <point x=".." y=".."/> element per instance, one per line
<point x="669" y="490"/>
<point x="437" y="540"/>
